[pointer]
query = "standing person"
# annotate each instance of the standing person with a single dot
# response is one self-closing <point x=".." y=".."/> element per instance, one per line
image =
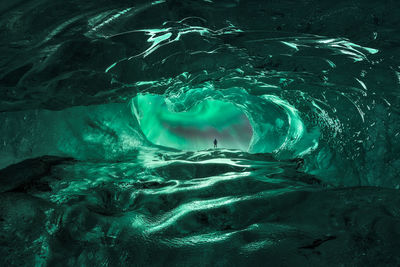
<point x="215" y="143"/>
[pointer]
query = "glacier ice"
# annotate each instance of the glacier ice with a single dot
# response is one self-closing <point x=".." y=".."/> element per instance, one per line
<point x="108" y="111"/>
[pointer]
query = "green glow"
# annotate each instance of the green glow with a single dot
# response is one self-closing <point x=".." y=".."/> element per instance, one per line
<point x="110" y="67"/>
<point x="194" y="128"/>
<point x="292" y="45"/>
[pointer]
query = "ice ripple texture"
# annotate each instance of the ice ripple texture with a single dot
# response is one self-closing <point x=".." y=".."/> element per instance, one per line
<point x="82" y="184"/>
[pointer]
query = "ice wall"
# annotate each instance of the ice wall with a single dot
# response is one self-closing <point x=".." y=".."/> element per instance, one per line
<point x="105" y="132"/>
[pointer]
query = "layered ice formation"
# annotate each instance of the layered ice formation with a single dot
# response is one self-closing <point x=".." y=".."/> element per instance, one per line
<point x="109" y="110"/>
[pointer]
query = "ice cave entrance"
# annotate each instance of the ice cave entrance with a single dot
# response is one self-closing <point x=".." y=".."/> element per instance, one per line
<point x="193" y="128"/>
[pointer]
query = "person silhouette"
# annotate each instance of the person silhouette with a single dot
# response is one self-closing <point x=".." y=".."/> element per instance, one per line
<point x="215" y="143"/>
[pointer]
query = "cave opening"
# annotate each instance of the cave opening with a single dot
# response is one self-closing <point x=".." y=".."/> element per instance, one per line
<point x="194" y="127"/>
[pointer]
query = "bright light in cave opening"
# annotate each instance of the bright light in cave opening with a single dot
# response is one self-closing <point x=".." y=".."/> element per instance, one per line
<point x="195" y="128"/>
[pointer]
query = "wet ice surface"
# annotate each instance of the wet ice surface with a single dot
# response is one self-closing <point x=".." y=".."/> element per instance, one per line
<point x="213" y="207"/>
<point x="317" y="81"/>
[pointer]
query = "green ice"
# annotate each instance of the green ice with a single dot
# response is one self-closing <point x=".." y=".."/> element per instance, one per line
<point x="194" y="128"/>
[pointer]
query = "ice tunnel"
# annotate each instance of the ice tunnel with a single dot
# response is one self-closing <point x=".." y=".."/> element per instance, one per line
<point x="195" y="128"/>
<point x="109" y="111"/>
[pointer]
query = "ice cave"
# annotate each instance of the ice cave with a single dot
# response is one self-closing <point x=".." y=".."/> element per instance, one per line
<point x="199" y="133"/>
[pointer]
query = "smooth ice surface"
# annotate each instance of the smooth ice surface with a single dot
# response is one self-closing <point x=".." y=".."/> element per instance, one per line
<point x="108" y="110"/>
